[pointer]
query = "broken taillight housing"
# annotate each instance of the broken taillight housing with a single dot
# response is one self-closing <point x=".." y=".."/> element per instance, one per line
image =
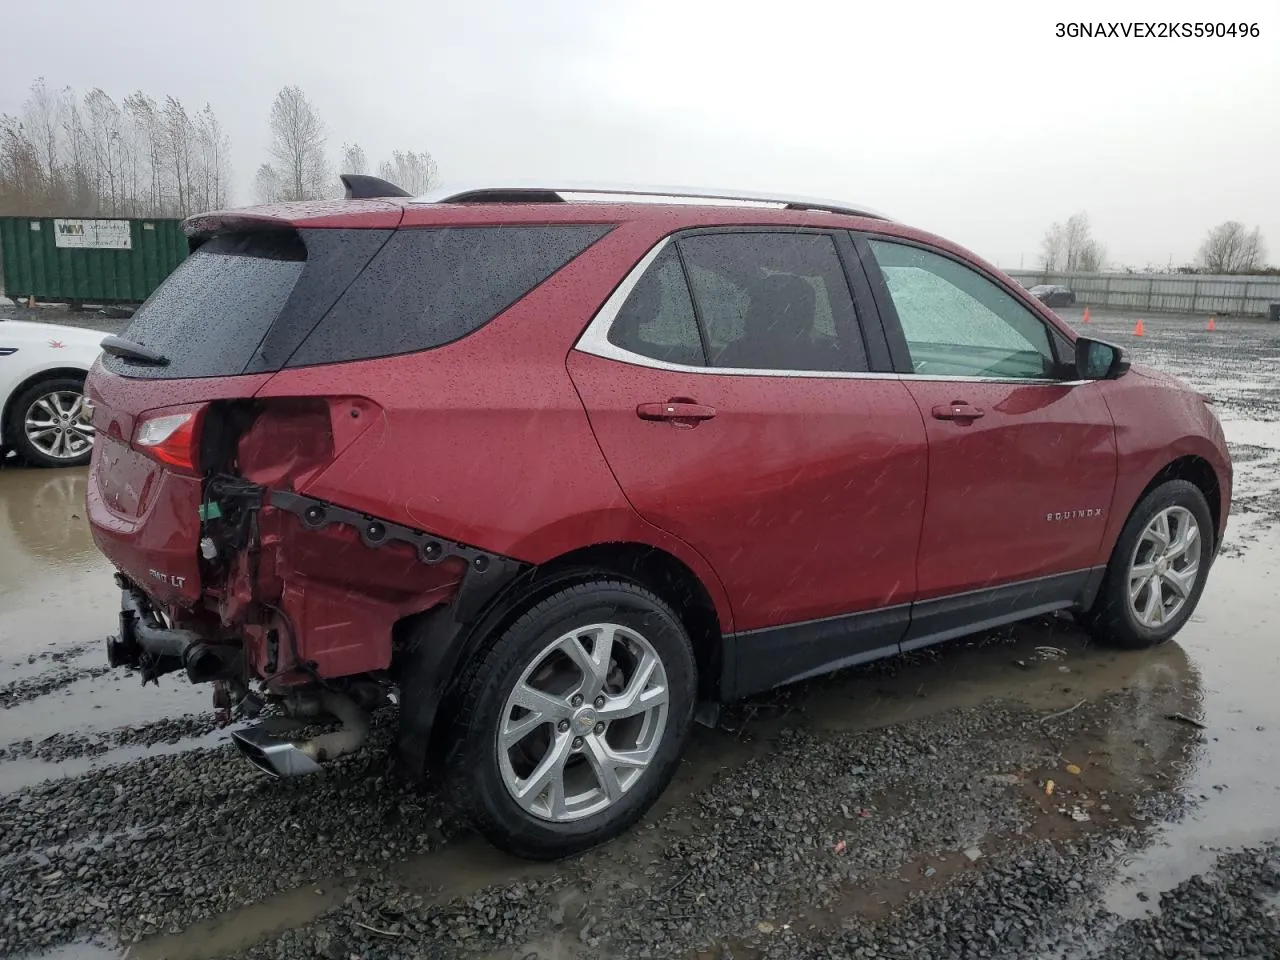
<point x="170" y="438"/>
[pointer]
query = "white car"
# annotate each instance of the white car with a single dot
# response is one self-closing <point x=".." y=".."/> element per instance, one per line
<point x="43" y="415"/>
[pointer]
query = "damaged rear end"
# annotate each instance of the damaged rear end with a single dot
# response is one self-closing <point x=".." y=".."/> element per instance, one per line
<point x="228" y="570"/>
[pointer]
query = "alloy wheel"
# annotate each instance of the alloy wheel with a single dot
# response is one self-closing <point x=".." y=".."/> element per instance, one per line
<point x="583" y="722"/>
<point x="1164" y="566"/>
<point x="57" y="424"/>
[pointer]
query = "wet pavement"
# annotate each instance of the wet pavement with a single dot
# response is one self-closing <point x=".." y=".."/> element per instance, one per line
<point x="900" y="809"/>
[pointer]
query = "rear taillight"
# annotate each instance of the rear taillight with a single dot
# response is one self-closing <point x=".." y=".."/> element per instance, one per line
<point x="170" y="438"/>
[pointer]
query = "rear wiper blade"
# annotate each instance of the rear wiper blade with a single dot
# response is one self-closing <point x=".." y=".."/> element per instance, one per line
<point x="133" y="352"/>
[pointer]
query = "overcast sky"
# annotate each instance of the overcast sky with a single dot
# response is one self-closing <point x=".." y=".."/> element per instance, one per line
<point x="969" y="119"/>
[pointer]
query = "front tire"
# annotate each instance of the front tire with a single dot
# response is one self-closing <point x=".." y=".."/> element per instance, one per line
<point x="48" y="426"/>
<point x="1157" y="570"/>
<point x="573" y="722"/>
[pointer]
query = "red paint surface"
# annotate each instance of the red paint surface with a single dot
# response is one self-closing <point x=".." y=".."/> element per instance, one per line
<point x="1037" y="449"/>
<point x="143" y="515"/>
<point x="1158" y="420"/>
<point x="805" y="494"/>
<point x="803" y="497"/>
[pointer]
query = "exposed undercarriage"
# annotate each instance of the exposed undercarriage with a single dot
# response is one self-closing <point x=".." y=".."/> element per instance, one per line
<point x="267" y="563"/>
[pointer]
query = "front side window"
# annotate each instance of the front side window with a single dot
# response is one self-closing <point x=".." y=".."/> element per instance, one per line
<point x="773" y="301"/>
<point x="957" y="322"/>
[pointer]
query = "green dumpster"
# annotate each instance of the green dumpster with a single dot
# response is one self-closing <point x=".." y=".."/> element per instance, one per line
<point x="87" y="260"/>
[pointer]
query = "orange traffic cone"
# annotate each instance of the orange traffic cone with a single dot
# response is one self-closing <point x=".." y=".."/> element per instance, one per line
<point x="1086" y="315"/>
<point x="1211" y="325"/>
<point x="1138" y="329"/>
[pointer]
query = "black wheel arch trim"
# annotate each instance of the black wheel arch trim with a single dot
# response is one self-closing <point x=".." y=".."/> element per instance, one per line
<point x="438" y="639"/>
<point x="441" y="643"/>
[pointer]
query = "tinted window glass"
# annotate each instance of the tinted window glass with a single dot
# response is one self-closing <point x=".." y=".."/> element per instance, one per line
<point x="429" y="287"/>
<point x="774" y="301"/>
<point x="959" y="323"/>
<point x="211" y="313"/>
<point x="657" y="319"/>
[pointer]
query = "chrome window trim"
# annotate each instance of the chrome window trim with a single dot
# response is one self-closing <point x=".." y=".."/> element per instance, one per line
<point x="595" y="341"/>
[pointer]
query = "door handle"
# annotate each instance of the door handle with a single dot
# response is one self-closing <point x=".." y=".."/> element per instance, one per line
<point x="678" y="411"/>
<point x="957" y="410"/>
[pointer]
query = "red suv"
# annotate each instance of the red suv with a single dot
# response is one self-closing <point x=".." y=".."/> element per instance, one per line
<point x="557" y="470"/>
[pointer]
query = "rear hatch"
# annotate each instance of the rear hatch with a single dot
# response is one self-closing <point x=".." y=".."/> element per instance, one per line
<point x="254" y="287"/>
<point x="181" y="397"/>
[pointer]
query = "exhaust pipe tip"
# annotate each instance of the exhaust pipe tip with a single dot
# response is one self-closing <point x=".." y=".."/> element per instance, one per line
<point x="276" y="758"/>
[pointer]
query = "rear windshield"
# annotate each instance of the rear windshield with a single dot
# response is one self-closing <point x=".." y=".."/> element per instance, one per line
<point x="254" y="303"/>
<point x="210" y="315"/>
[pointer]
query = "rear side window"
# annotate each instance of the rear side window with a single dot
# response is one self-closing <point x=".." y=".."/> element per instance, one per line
<point x="429" y="287"/>
<point x="774" y="301"/>
<point x="211" y="314"/>
<point x="657" y="319"/>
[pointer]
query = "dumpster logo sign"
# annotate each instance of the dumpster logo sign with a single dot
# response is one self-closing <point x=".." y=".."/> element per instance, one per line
<point x="101" y="234"/>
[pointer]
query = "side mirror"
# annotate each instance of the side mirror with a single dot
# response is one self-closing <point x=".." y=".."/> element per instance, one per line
<point x="1096" y="360"/>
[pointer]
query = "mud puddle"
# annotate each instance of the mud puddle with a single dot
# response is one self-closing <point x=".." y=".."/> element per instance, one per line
<point x="56" y="590"/>
<point x="90" y="704"/>
<point x="57" y="604"/>
<point x="1252" y="433"/>
<point x="26" y="772"/>
<point x="1234" y="641"/>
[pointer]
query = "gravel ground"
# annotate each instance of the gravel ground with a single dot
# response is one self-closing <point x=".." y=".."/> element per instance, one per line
<point x="814" y="826"/>
<point x="146" y="846"/>
<point x="900" y="810"/>
<point x="65" y="746"/>
<point x="779" y="854"/>
<point x="1231" y="911"/>
<point x="59" y="313"/>
<point x="29" y="688"/>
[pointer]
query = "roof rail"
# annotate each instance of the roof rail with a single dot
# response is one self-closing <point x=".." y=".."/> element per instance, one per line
<point x="359" y="186"/>
<point x="532" y="192"/>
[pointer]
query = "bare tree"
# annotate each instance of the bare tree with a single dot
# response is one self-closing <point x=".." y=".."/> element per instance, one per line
<point x="1051" y="248"/>
<point x="214" y="164"/>
<point x="268" y="186"/>
<point x="144" y="131"/>
<point x="1071" y="247"/>
<point x="1231" y="248"/>
<point x="75" y="188"/>
<point x="42" y="116"/>
<point x="91" y="156"/>
<point x="415" y="172"/>
<point x="354" y="159"/>
<point x="298" y="146"/>
<point x="22" y="185"/>
<point x="103" y="129"/>
<point x="178" y="137"/>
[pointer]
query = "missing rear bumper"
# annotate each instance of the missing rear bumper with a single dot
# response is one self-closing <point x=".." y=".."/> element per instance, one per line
<point x="146" y="644"/>
<point x="487" y="573"/>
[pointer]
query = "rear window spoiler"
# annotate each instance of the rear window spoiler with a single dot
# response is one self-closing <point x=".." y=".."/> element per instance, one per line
<point x="370" y="213"/>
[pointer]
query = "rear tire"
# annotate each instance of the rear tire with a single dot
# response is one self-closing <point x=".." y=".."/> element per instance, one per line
<point x="597" y="743"/>
<point x="1157" y="570"/>
<point x="67" y="440"/>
